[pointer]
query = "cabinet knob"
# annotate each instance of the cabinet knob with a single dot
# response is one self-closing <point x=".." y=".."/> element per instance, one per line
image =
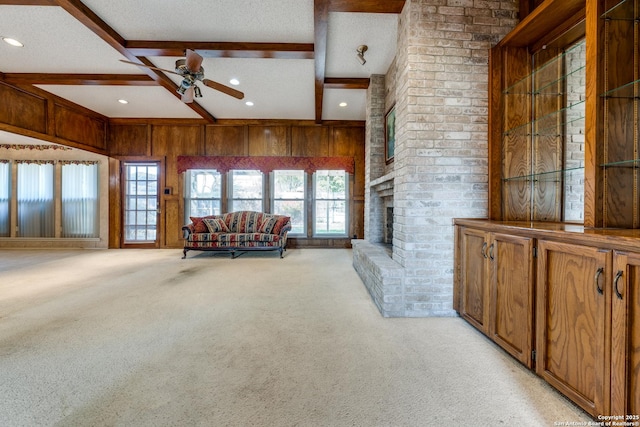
<point x="491" y="252"/>
<point x="483" y="251"/>
<point x="596" y="277"/>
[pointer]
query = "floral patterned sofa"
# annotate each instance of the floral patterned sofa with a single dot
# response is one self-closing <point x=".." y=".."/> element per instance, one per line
<point x="237" y="232"/>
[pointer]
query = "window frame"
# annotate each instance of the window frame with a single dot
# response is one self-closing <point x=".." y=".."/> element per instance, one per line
<point x="347" y="209"/>
<point x="304" y="199"/>
<point x="187" y="193"/>
<point x="231" y="199"/>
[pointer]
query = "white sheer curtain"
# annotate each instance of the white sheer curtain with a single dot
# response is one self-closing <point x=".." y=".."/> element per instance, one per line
<point x="35" y="199"/>
<point x="5" y="197"/>
<point x="80" y="215"/>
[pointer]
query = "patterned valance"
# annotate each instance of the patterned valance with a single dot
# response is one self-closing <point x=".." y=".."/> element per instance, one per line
<point x="265" y="164"/>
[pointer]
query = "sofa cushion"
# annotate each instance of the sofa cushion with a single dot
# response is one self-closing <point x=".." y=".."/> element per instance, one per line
<point x="243" y="221"/>
<point x="268" y="221"/>
<point x="198" y="225"/>
<point x="216" y="225"/>
<point x="282" y="220"/>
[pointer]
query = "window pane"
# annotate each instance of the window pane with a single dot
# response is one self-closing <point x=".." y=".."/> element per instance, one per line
<point x="246" y="190"/>
<point x="294" y="209"/>
<point x="246" y="184"/>
<point x="330" y="202"/>
<point x="330" y="217"/>
<point x="330" y="185"/>
<point x="288" y="184"/>
<point x="35" y="200"/>
<point x="5" y="198"/>
<point x="203" y="189"/>
<point x="80" y="211"/>
<point x="247" y="205"/>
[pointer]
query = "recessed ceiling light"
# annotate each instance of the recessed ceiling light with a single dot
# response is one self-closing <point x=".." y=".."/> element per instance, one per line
<point x="249" y="103"/>
<point x="12" y="42"/>
<point x="123" y="101"/>
<point x="343" y="104"/>
<point x="234" y="82"/>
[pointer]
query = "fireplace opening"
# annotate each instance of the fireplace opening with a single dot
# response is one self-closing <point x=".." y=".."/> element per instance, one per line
<point x="388" y="226"/>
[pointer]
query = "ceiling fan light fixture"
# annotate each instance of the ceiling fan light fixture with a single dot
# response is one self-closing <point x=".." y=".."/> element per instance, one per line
<point x="12" y="42"/>
<point x="196" y="92"/>
<point x="361" y="50"/>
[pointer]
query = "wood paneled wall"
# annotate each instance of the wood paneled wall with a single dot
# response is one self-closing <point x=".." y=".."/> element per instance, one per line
<point x="137" y="140"/>
<point x="33" y="112"/>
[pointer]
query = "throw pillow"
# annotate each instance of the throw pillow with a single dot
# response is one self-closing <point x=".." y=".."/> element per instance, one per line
<point x="282" y="220"/>
<point x="216" y="225"/>
<point x="268" y="222"/>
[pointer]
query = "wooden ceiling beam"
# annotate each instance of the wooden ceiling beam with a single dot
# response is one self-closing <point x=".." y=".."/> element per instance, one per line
<point x="28" y="3"/>
<point x="346" y="83"/>
<point x="80" y="79"/>
<point x="320" y="24"/>
<point x="92" y="21"/>
<point x="366" y="6"/>
<point x="222" y="49"/>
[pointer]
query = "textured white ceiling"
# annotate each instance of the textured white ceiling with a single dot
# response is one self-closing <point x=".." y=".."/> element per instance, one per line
<point x="55" y="42"/>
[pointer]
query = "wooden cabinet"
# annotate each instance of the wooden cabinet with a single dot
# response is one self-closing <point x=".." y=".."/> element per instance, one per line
<point x="496" y="288"/>
<point x="474" y="294"/>
<point x="572" y="321"/>
<point x="625" y="334"/>
<point x="567" y="293"/>
<point x="511" y="294"/>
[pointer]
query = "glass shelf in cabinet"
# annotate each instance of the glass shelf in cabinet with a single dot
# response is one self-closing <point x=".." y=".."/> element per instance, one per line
<point x="551" y="88"/>
<point x="530" y="127"/>
<point x="524" y="86"/>
<point x="623" y="11"/>
<point x="631" y="163"/>
<point x="550" y="176"/>
<point x="630" y="90"/>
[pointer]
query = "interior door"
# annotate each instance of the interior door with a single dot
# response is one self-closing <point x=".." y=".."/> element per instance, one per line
<point x="141" y="204"/>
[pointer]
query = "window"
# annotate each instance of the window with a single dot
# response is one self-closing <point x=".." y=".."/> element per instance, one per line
<point x="289" y="197"/>
<point x="245" y="189"/>
<point x="330" y="203"/>
<point x="202" y="192"/>
<point x="80" y="209"/>
<point x="5" y="198"/>
<point x="35" y="199"/>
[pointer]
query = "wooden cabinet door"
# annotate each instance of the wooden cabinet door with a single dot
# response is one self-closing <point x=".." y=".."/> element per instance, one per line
<point x="625" y="335"/>
<point x="571" y="318"/>
<point x="511" y="295"/>
<point x="474" y="298"/>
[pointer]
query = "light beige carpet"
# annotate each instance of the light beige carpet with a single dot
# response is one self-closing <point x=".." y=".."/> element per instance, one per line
<point x="144" y="338"/>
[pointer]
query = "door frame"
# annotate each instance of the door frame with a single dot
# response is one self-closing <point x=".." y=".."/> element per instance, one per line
<point x="159" y="242"/>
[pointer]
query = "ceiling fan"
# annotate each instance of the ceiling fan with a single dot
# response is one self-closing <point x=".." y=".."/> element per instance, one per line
<point x="191" y="70"/>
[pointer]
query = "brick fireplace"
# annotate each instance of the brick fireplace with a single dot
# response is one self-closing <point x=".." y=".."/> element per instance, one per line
<point x="438" y="84"/>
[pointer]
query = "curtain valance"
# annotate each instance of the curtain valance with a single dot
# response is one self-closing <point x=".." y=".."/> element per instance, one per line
<point x="265" y="164"/>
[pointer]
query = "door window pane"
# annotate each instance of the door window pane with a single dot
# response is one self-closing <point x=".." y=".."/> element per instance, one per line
<point x="141" y="202"/>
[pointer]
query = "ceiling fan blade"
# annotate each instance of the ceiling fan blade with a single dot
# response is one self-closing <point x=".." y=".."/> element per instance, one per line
<point x="224" y="89"/>
<point x="194" y="61"/>
<point x="187" y="97"/>
<point x="149" y="66"/>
